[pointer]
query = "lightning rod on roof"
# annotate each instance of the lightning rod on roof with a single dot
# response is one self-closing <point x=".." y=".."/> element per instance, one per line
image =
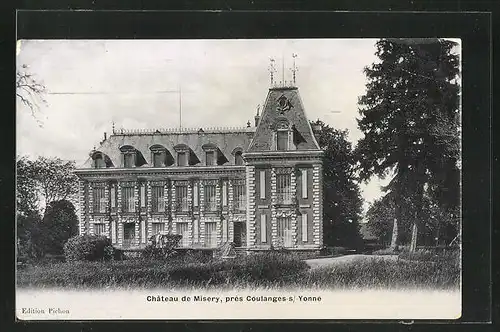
<point x="294" y="68"/>
<point x="272" y="69"/>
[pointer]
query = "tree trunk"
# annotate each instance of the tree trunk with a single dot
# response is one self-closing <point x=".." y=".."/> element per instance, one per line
<point x="394" y="239"/>
<point x="414" y="236"/>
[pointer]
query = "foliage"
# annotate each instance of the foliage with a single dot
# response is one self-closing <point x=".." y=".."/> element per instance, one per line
<point x="410" y="121"/>
<point x="51" y="179"/>
<point x="88" y="248"/>
<point x="30" y="236"/>
<point x="342" y="202"/>
<point x="60" y="223"/>
<point x="255" y="270"/>
<point x="266" y="270"/>
<point x="29" y="90"/>
<point x="162" y="246"/>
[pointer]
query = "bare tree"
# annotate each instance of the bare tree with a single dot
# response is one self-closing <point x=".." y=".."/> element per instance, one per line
<point x="29" y="91"/>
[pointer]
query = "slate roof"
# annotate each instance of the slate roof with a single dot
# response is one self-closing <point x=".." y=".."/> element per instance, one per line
<point x="227" y="140"/>
<point x="295" y="115"/>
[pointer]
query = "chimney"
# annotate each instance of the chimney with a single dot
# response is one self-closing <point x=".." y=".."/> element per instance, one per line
<point x="257" y="116"/>
<point x="257" y="119"/>
<point x="105" y="136"/>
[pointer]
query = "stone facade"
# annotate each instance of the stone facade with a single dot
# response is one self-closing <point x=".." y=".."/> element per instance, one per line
<point x="194" y="181"/>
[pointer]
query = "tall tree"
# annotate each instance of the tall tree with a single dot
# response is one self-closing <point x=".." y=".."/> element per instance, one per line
<point x="342" y="202"/>
<point x="60" y="223"/>
<point x="409" y="116"/>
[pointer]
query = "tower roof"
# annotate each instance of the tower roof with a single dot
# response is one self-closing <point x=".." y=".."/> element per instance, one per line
<point x="283" y="105"/>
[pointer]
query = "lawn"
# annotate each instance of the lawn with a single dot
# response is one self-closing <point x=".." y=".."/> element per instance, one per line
<point x="254" y="271"/>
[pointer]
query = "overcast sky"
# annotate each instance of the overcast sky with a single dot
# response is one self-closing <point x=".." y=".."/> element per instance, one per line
<point x="92" y="83"/>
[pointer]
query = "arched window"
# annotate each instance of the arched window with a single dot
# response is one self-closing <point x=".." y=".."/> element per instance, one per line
<point x="160" y="156"/>
<point x="238" y="158"/>
<point x="132" y="157"/>
<point x="100" y="160"/>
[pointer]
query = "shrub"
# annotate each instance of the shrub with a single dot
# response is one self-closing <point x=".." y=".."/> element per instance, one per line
<point x="386" y="251"/>
<point x="88" y="248"/>
<point x="162" y="246"/>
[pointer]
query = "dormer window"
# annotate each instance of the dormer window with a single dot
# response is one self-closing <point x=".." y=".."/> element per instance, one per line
<point x="131" y="157"/>
<point x="283" y="133"/>
<point x="238" y="158"/>
<point x="128" y="160"/>
<point x="160" y="156"/>
<point x="210" y="158"/>
<point x="282" y="140"/>
<point x="100" y="160"/>
<point x="213" y="155"/>
<point x="182" y="159"/>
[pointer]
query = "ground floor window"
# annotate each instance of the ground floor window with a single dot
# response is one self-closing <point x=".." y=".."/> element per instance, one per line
<point x="158" y="227"/>
<point x="182" y="229"/>
<point x="285" y="231"/>
<point x="99" y="229"/>
<point x="240" y="234"/>
<point x="211" y="234"/>
<point x="128" y="234"/>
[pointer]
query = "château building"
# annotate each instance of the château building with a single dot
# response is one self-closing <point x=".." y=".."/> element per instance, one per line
<point x="258" y="186"/>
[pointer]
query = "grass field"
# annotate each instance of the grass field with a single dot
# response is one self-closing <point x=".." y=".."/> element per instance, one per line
<point x="256" y="271"/>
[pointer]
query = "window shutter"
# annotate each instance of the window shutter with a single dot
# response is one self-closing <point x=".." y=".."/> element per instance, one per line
<point x="195" y="194"/>
<point x="113" y="195"/>
<point x="304" y="183"/>
<point x="263" y="228"/>
<point x="113" y="231"/>
<point x="224" y="230"/>
<point x="262" y="177"/>
<point x="143" y="195"/>
<point x="304" y="227"/>
<point x="224" y="194"/>
<point x="143" y="231"/>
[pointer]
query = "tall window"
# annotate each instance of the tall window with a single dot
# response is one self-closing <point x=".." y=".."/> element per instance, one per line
<point x="284" y="231"/>
<point x="210" y="200"/>
<point x="181" y="196"/>
<point x="99" y="229"/>
<point x="239" y="197"/>
<point x="99" y="200"/>
<point x="238" y="158"/>
<point x="157" y="199"/>
<point x="182" y="229"/>
<point x="282" y="140"/>
<point x="182" y="158"/>
<point x="283" y="188"/>
<point x="158" y="228"/>
<point x="128" y="199"/>
<point x="210" y="158"/>
<point x="210" y="234"/>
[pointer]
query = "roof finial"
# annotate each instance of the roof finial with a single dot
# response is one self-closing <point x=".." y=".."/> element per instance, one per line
<point x="113" y="126"/>
<point x="272" y="70"/>
<point x="294" y="68"/>
<point x="258" y="108"/>
<point x="248" y="124"/>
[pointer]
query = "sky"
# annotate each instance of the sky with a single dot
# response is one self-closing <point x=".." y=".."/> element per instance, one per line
<point x="135" y="83"/>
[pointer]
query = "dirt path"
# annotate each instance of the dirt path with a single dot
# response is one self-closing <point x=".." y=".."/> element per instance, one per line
<point x="320" y="262"/>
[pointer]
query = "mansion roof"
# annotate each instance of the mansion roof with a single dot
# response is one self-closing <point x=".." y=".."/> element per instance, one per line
<point x="283" y="120"/>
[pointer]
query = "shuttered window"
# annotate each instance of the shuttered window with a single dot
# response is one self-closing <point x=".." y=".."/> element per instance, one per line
<point x="239" y="197"/>
<point x="182" y="229"/>
<point x="128" y="199"/>
<point x="210" y="234"/>
<point x="282" y="140"/>
<point x="128" y="160"/>
<point x="238" y="158"/>
<point x="182" y="158"/>
<point x="157" y="199"/>
<point x="283" y="188"/>
<point x="181" y="195"/>
<point x="158" y="227"/>
<point x="99" y="229"/>
<point x="99" y="200"/>
<point x="210" y="198"/>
